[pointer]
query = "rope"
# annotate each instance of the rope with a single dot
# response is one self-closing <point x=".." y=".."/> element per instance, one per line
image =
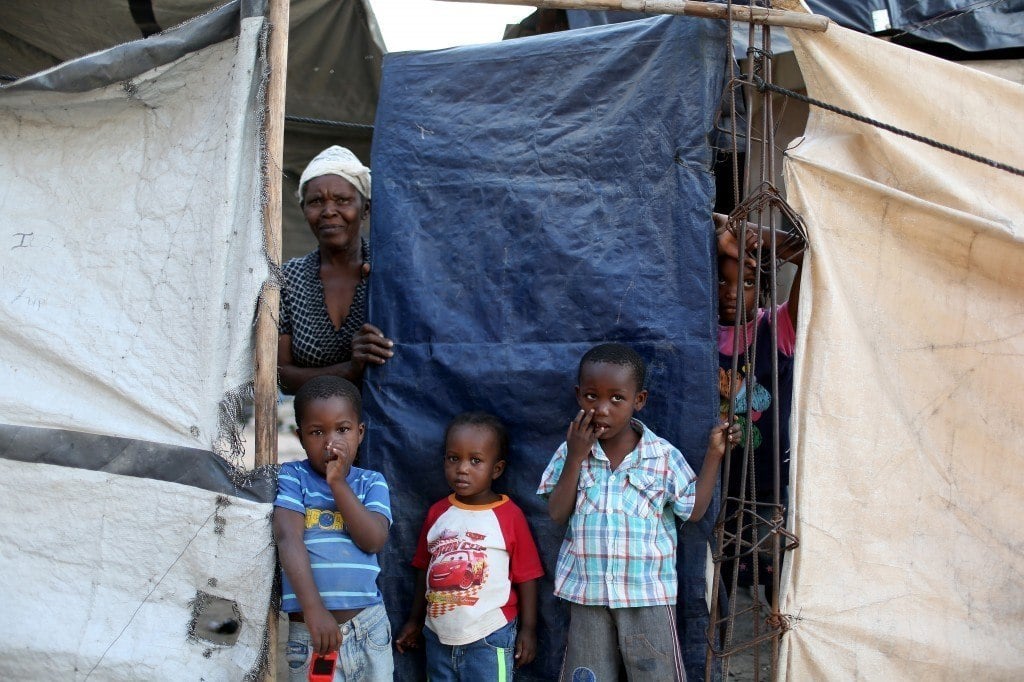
<point x="762" y="85"/>
<point x="327" y="122"/>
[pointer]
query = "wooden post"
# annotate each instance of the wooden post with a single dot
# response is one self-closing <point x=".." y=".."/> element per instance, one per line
<point x="265" y="360"/>
<point x="265" y="382"/>
<point x="708" y="10"/>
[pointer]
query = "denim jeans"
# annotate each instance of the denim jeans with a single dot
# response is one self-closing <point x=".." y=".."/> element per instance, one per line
<point x="642" y="640"/>
<point x="490" y="659"/>
<point x="365" y="654"/>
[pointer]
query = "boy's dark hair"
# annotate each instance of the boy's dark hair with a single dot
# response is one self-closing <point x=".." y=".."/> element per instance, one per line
<point x="485" y="420"/>
<point x="615" y="354"/>
<point x="325" y="387"/>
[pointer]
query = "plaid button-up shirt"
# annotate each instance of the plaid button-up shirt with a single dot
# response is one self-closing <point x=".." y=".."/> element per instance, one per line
<point x="620" y="547"/>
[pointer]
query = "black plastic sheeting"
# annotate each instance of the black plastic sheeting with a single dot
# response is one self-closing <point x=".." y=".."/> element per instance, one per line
<point x="138" y="458"/>
<point x="533" y="198"/>
<point x="125" y="61"/>
<point x="970" y="25"/>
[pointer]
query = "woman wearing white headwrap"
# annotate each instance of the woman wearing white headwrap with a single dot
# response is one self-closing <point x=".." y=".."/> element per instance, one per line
<point x="323" y="328"/>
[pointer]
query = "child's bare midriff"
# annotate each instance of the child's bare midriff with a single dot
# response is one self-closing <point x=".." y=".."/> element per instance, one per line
<point x="340" y="615"/>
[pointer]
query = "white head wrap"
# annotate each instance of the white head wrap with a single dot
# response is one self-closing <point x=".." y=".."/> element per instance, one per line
<point x="337" y="161"/>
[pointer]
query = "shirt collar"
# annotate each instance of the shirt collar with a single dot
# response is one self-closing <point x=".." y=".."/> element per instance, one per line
<point x="643" y="447"/>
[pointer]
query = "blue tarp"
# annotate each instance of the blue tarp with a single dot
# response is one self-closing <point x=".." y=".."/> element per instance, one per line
<point x="533" y="198"/>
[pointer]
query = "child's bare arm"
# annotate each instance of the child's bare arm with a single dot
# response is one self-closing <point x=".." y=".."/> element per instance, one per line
<point x="788" y="245"/>
<point x="409" y="637"/>
<point x="707" y="479"/>
<point x="579" y="441"/>
<point x="289" y="528"/>
<point x="526" y="638"/>
<point x="368" y="529"/>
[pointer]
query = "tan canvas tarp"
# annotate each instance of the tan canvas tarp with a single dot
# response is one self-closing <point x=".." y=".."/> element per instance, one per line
<point x="908" y="430"/>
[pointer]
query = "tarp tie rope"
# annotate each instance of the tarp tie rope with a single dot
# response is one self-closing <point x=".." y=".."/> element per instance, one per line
<point x="328" y="122"/>
<point x="761" y="85"/>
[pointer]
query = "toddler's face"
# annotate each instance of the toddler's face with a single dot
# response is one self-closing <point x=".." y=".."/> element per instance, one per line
<point x="471" y="463"/>
<point x="326" y="421"/>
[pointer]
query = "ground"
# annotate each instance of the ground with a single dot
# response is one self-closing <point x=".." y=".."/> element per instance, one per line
<point x="741" y="666"/>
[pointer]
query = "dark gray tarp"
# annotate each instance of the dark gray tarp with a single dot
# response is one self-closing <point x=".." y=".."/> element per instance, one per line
<point x="969" y="25"/>
<point x="133" y="457"/>
<point x="124" y="61"/>
<point x="533" y="198"/>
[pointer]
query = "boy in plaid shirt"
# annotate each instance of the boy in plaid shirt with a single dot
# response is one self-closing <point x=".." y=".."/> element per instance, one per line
<point x="620" y="487"/>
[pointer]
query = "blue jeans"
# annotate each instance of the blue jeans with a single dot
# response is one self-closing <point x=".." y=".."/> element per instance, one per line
<point x="365" y="654"/>
<point x="490" y="659"/>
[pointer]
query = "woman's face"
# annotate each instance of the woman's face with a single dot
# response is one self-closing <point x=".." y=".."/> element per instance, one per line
<point x="334" y="209"/>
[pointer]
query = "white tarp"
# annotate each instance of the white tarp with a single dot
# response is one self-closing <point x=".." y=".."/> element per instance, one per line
<point x="909" y="481"/>
<point x="131" y="226"/>
<point x="99" y="573"/>
<point x="131" y="263"/>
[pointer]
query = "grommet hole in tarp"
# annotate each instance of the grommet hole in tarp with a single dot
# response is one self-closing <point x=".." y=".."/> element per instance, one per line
<point x="215" y="619"/>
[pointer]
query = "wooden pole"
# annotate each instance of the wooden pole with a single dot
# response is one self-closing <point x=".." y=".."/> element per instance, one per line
<point x="265" y="382"/>
<point x="265" y="360"/>
<point x="708" y="10"/>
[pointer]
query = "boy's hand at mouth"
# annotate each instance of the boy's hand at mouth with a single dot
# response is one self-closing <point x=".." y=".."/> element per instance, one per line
<point x="581" y="436"/>
<point x="338" y="462"/>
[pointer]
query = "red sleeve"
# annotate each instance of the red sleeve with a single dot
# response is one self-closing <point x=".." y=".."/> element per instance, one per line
<point x="523" y="559"/>
<point x="421" y="559"/>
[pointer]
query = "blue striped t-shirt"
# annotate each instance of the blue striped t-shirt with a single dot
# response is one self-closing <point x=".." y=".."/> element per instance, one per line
<point x="345" y="575"/>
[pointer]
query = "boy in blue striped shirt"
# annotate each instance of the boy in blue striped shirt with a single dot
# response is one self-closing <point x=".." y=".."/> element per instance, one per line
<point x="330" y="520"/>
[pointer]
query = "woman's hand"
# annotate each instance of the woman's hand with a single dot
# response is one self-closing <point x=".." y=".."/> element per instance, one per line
<point x="371" y="347"/>
<point x="580" y="438"/>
